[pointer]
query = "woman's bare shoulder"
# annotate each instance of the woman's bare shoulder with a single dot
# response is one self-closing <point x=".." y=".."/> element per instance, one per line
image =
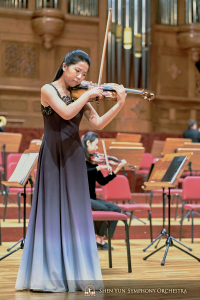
<point x="46" y="87"/>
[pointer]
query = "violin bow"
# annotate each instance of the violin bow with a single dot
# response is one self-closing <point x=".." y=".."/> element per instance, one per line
<point x="105" y="153"/>
<point x="104" y="46"/>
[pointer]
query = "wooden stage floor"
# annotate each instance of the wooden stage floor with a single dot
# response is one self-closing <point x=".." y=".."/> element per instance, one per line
<point x="179" y="278"/>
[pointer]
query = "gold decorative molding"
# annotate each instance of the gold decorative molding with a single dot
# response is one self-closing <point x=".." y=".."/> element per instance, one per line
<point x="174" y="71"/>
<point x="48" y="24"/>
<point x="138" y="108"/>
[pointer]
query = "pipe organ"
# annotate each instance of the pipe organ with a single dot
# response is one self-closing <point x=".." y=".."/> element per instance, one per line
<point x="84" y="8"/>
<point x="14" y="3"/>
<point x="130" y="38"/>
<point x="167" y="11"/>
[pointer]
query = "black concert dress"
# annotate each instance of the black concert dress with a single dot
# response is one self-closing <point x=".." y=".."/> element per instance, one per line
<point x="60" y="252"/>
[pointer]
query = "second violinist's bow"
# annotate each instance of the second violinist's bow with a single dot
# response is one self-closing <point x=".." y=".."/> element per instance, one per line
<point x="105" y="154"/>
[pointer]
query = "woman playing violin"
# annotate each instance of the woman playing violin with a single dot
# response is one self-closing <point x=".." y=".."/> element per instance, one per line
<point x="90" y="145"/>
<point x="60" y="252"/>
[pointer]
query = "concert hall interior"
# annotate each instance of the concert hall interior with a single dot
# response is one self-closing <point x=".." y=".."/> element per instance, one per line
<point x="150" y="49"/>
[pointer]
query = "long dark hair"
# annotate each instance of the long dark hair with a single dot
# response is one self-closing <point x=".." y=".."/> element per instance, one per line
<point x="89" y="136"/>
<point x="72" y="58"/>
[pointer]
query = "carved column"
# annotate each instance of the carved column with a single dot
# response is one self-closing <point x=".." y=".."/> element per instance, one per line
<point x="188" y="38"/>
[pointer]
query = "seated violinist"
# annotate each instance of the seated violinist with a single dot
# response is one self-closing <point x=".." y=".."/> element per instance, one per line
<point x="90" y="146"/>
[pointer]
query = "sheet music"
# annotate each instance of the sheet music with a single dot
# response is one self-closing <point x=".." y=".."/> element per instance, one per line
<point x="174" y="169"/>
<point x="23" y="167"/>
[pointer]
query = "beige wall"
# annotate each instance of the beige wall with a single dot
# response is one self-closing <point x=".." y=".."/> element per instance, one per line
<point x="26" y="65"/>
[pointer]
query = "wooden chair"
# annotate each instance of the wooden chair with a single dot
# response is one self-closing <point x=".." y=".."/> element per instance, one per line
<point x="191" y="201"/>
<point x="114" y="216"/>
<point x="118" y="191"/>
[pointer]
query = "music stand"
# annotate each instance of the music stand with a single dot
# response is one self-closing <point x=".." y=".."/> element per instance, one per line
<point x="156" y="182"/>
<point x="157" y="148"/>
<point x="172" y="144"/>
<point x="128" y="137"/>
<point x="133" y="156"/>
<point x="107" y="142"/>
<point x="126" y="144"/>
<point x="195" y="159"/>
<point x="24" y="168"/>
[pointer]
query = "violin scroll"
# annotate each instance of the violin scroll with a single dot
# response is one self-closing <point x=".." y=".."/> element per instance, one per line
<point x="147" y="96"/>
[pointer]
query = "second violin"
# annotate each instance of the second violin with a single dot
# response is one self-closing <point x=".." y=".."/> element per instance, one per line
<point x="99" y="158"/>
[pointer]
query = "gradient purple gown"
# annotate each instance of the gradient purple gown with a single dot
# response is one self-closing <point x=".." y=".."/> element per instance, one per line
<point x="60" y="252"/>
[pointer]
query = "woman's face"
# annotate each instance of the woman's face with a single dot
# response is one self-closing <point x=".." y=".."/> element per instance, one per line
<point x="75" y="74"/>
<point x="92" y="147"/>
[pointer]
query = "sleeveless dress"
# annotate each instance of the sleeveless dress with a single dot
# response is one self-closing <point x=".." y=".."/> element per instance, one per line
<point x="60" y="252"/>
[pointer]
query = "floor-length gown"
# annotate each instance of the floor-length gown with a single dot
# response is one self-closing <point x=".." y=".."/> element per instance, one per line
<point x="60" y="252"/>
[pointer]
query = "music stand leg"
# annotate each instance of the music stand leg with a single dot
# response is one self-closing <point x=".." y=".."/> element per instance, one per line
<point x="22" y="240"/>
<point x="169" y="242"/>
<point x="163" y="231"/>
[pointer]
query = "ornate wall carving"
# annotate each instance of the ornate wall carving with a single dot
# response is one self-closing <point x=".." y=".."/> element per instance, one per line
<point x="21" y="60"/>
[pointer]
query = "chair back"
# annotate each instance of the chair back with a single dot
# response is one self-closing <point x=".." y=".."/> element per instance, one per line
<point x="1" y="160"/>
<point x="117" y="189"/>
<point x="147" y="161"/>
<point x="11" y="162"/>
<point x="191" y="188"/>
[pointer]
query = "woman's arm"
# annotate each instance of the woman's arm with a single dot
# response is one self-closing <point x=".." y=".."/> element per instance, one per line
<point x="103" y="180"/>
<point x="120" y="166"/>
<point x="100" y="122"/>
<point x="67" y="112"/>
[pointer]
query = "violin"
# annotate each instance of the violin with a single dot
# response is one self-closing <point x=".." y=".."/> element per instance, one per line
<point x="100" y="158"/>
<point x="109" y="93"/>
